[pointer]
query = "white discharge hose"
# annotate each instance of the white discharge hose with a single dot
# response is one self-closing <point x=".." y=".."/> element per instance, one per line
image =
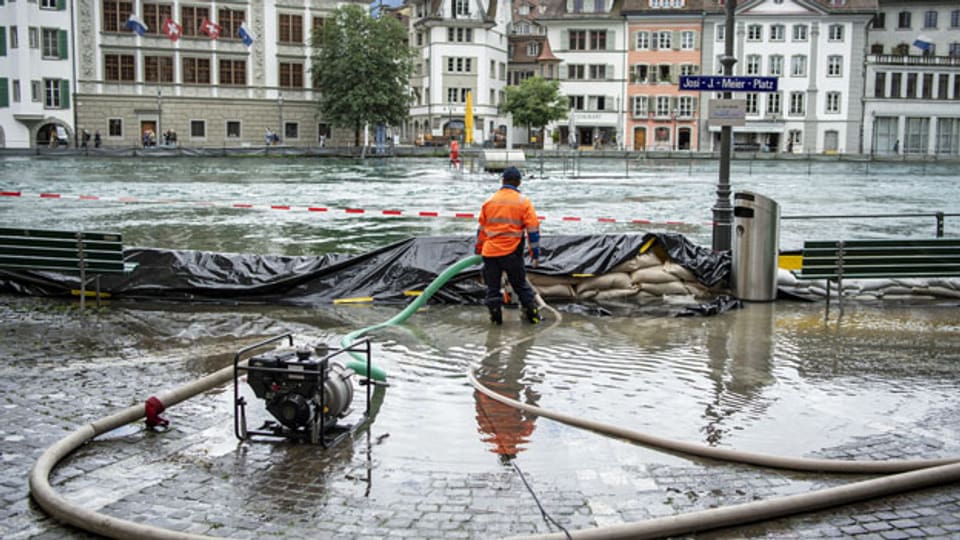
<point x="910" y="474"/>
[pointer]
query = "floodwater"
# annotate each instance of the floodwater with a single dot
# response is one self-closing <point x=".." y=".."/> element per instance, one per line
<point x="769" y="378"/>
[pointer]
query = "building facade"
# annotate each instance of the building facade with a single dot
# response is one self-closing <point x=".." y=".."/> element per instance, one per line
<point x="912" y="98"/>
<point x="36" y="74"/>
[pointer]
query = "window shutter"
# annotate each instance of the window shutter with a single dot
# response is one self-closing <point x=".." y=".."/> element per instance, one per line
<point x="62" y="44"/>
<point x="4" y="92"/>
<point x="654" y="38"/>
<point x="652" y="73"/>
<point x="673" y="73"/>
<point x="3" y="40"/>
<point x="632" y="45"/>
<point x="610" y="76"/>
<point x="61" y="5"/>
<point x="696" y="40"/>
<point x="564" y="40"/>
<point x="675" y="40"/>
<point x="611" y="38"/>
<point x="64" y="94"/>
<point x="673" y="104"/>
<point x="562" y="72"/>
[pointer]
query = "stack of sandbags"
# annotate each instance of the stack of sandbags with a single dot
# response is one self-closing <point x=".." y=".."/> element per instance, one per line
<point x="876" y="288"/>
<point x="642" y="277"/>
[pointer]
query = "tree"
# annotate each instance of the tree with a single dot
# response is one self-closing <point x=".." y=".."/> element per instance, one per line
<point x="362" y="67"/>
<point x="535" y="103"/>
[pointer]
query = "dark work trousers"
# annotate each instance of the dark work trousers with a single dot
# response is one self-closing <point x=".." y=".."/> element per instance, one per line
<point x="512" y="264"/>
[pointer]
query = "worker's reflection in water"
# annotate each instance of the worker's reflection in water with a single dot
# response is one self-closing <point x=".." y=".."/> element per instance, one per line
<point x="506" y="429"/>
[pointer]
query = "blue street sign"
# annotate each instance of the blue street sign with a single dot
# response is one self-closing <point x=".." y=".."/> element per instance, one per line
<point x="711" y="83"/>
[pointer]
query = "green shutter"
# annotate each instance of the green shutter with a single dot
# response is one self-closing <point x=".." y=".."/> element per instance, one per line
<point x="64" y="94"/>
<point x="3" y="40"/>
<point x="4" y="92"/>
<point x="61" y="5"/>
<point x="62" y="44"/>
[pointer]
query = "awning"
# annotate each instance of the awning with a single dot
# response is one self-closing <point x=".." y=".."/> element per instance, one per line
<point x="753" y="128"/>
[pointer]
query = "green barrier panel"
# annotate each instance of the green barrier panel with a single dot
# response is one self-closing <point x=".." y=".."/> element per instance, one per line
<point x="359" y="364"/>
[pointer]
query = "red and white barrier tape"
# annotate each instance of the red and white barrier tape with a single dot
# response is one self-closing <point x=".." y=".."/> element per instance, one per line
<point x="323" y="209"/>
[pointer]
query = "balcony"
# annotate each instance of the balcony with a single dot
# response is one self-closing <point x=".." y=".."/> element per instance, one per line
<point x="909" y="60"/>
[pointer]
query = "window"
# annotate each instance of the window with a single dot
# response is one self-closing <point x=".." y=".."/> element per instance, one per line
<point x="799" y="32"/>
<point x="835" y="32"/>
<point x="461" y="7"/>
<point x="663" y="106"/>
<point x="754" y="32"/>
<point x="230" y="20"/>
<point x="533" y="49"/>
<point x="661" y="135"/>
<point x="926" y="91"/>
<point x="778" y="32"/>
<point x="834" y="65"/>
<point x="880" y="84"/>
<point x="196" y="70"/>
<point x="798" y="65"/>
<point x="796" y="103"/>
<point x="158" y="69"/>
<point x="115" y="127"/>
<point x="14" y="38"/>
<point x="930" y="19"/>
<point x="576" y="103"/>
<point x="598" y="40"/>
<point x="33" y="36"/>
<point x="457" y="95"/>
<point x="318" y="23"/>
<point x="688" y="40"/>
<point x="880" y="21"/>
<point x="903" y="20"/>
<point x="460" y="65"/>
<point x="955" y="18"/>
<point x="876" y="48"/>
<point x="597" y="103"/>
<point x="753" y="64"/>
<point x="190" y="19"/>
<point x="639" y="106"/>
<point x="598" y="71"/>
<point x="16" y="91"/>
<point x="943" y="86"/>
<point x="689" y="69"/>
<point x="721" y="32"/>
<point x="911" y="91"/>
<point x="291" y="130"/>
<point x="895" y="84"/>
<point x="774" y="103"/>
<point x="51" y="40"/>
<point x="233" y="129"/>
<point x="642" y="40"/>
<point x="917" y="135"/>
<point x="665" y="73"/>
<point x="198" y="129"/>
<point x="577" y="40"/>
<point x="291" y="28"/>
<point x="639" y="73"/>
<point x="115" y="14"/>
<point x="154" y="15"/>
<point x="955" y="49"/>
<point x="663" y="40"/>
<point x="752" y="100"/>
<point x="48" y="4"/>
<point x="233" y="72"/>
<point x="686" y="105"/>
<point x="460" y="35"/>
<point x="36" y="90"/>
<point x="291" y="75"/>
<point x="56" y="93"/>
<point x="119" y="67"/>
<point x="833" y="102"/>
<point x="776" y="65"/>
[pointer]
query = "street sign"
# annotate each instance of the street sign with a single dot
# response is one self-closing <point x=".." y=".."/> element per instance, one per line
<point x="712" y="83"/>
<point x="727" y="112"/>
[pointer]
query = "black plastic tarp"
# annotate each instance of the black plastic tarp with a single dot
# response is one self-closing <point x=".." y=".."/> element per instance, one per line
<point x="384" y="274"/>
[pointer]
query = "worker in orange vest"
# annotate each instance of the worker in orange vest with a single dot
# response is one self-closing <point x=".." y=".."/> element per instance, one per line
<point x="455" y="153"/>
<point x="505" y="219"/>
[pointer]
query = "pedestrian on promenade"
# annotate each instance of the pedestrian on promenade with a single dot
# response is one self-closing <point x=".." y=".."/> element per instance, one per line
<point x="505" y="218"/>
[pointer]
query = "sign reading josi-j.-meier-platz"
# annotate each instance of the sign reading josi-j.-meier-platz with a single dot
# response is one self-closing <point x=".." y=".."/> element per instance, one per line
<point x="727" y="112"/>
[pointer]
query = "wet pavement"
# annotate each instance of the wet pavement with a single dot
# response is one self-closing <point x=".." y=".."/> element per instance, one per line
<point x="401" y="478"/>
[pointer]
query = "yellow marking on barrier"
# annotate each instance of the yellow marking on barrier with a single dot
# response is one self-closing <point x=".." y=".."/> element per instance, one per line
<point x="90" y="294"/>
<point x="412" y="293"/>
<point x="358" y="300"/>
<point x="582" y="275"/>
<point x="646" y="245"/>
<point x="790" y="261"/>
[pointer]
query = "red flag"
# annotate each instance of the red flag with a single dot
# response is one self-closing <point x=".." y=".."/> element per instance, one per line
<point x="172" y="29"/>
<point x="210" y="28"/>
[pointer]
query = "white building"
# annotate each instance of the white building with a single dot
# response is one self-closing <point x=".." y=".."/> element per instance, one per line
<point x="816" y="48"/>
<point x="36" y="71"/>
<point x="912" y="98"/>
<point x="461" y="49"/>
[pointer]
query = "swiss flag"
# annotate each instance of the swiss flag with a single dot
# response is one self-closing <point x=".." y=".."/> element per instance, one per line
<point x="210" y="28"/>
<point x="172" y="29"/>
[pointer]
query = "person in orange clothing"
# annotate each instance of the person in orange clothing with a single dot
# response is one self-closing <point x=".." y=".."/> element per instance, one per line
<point x="455" y="154"/>
<point x="505" y="219"/>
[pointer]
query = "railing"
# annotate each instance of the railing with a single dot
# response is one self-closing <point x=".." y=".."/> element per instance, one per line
<point x="939" y="216"/>
<point x="907" y="60"/>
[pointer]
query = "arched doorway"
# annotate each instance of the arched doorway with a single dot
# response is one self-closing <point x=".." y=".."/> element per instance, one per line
<point x="52" y="135"/>
<point x="639" y="138"/>
<point x="683" y="138"/>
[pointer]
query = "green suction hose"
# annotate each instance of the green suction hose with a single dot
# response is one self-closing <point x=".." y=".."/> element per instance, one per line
<point x="359" y="364"/>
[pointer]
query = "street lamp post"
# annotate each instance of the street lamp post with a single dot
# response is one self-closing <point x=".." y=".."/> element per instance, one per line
<point x="280" y="115"/>
<point x="722" y="211"/>
<point x="159" y="115"/>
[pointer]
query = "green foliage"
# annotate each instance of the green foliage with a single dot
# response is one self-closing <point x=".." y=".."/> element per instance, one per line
<point x="536" y="102"/>
<point x="362" y="67"/>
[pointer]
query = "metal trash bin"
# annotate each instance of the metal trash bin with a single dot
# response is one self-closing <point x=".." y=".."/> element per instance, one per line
<point x="755" y="248"/>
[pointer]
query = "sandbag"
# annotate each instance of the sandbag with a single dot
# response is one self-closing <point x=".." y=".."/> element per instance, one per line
<point x="644" y="260"/>
<point x="556" y="291"/>
<point x="678" y="271"/>
<point x="654" y="274"/>
<point x="665" y="289"/>
<point x="616" y="280"/>
<point x="538" y="280"/>
<point x="613" y="294"/>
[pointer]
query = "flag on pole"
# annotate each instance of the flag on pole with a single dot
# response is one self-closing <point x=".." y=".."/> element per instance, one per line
<point x="245" y="34"/>
<point x="134" y="23"/>
<point x="923" y="43"/>
<point x="210" y="28"/>
<point x="172" y="29"/>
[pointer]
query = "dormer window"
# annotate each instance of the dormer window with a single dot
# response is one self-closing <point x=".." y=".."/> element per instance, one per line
<point x="524" y="9"/>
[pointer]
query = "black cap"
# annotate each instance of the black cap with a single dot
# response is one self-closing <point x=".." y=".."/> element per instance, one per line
<point x="511" y="173"/>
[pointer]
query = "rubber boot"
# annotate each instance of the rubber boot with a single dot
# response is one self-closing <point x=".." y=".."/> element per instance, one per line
<point x="532" y="314"/>
<point x="496" y="314"/>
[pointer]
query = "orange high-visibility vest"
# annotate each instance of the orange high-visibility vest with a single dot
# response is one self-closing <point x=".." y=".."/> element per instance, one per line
<point x="504" y="218"/>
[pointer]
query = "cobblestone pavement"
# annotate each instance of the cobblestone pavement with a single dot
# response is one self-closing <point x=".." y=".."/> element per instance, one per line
<point x="61" y="370"/>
